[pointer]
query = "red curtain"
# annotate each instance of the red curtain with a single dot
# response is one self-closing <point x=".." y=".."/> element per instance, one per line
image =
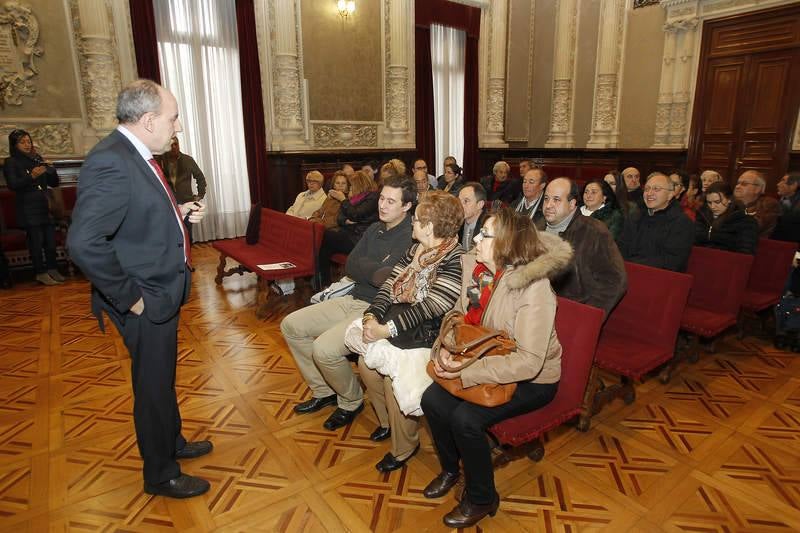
<point x="145" y="44"/>
<point x="426" y="138"/>
<point x="254" y="130"/>
<point x="471" y="110"/>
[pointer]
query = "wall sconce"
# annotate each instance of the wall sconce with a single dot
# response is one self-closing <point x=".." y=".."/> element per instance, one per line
<point x="346" y="8"/>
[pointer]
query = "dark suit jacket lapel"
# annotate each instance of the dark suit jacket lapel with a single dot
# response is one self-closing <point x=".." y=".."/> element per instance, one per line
<point x="144" y="166"/>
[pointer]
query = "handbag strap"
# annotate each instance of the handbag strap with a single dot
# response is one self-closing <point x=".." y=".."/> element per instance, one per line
<point x="451" y="321"/>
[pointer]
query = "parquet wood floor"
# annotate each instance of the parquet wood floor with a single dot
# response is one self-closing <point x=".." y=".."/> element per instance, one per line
<point x="716" y="450"/>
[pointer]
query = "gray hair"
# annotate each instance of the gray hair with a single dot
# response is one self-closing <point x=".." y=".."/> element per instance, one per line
<point x="501" y="164"/>
<point x="655" y="174"/>
<point x="136" y="99"/>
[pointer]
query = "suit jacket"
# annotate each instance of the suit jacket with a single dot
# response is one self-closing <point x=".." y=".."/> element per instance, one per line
<point x="125" y="236"/>
<point x="478" y="225"/>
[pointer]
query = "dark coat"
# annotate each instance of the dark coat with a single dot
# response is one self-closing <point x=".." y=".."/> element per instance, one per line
<point x="734" y="231"/>
<point x="596" y="275"/>
<point x="364" y="213"/>
<point x="458" y="184"/>
<point x="637" y="196"/>
<point x="507" y="191"/>
<point x="181" y="183"/>
<point x="31" y="194"/>
<point x="662" y="240"/>
<point x="788" y="227"/>
<point x="612" y="217"/>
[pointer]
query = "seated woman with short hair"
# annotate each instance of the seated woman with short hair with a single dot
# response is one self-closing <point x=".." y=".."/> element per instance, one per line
<point x="508" y="289"/>
<point x="600" y="202"/>
<point x="723" y="223"/>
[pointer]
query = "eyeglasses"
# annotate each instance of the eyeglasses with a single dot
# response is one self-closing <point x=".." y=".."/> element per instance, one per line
<point x="482" y="234"/>
<point x="746" y="183"/>
<point x="423" y="167"/>
<point x="655" y="189"/>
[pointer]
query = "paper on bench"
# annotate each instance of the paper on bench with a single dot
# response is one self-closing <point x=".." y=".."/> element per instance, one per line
<point x="284" y="265"/>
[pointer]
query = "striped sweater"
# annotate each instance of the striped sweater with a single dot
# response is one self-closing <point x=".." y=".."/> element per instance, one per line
<point x="441" y="297"/>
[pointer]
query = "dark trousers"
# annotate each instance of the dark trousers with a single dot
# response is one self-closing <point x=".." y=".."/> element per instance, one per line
<point x="154" y="351"/>
<point x="335" y="241"/>
<point x="42" y="237"/>
<point x="459" y="429"/>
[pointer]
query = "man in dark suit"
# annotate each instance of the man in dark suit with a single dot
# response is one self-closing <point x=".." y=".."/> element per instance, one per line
<point x="530" y="204"/>
<point x="128" y="236"/>
<point x="473" y="199"/>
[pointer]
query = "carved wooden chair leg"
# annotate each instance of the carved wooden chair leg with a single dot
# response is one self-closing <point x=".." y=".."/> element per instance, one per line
<point x="588" y="407"/>
<point x="536" y="453"/>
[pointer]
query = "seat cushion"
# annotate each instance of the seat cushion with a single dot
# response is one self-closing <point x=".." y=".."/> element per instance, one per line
<point x="630" y="357"/>
<point x="759" y="300"/>
<point x="258" y="254"/>
<point x="13" y="240"/>
<point x="705" y="323"/>
<point x="524" y="428"/>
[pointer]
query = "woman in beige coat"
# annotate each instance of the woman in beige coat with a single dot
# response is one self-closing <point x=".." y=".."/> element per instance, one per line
<point x="508" y="290"/>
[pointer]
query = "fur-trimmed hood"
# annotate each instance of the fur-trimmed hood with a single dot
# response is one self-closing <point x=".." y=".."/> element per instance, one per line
<point x="548" y="265"/>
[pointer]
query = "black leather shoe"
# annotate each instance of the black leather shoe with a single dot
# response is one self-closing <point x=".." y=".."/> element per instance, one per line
<point x="182" y="486"/>
<point x="194" y="449"/>
<point x="467" y="514"/>
<point x="441" y="484"/>
<point x="314" y="404"/>
<point x="390" y="462"/>
<point x="341" y="417"/>
<point x="381" y="433"/>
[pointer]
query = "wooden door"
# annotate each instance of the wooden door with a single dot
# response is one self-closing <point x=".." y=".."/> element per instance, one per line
<point x="748" y="94"/>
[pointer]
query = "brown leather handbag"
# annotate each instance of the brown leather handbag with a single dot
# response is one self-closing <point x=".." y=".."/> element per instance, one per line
<point x="468" y="343"/>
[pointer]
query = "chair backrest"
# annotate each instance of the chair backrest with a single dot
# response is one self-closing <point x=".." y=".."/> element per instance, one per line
<point x="578" y="327"/>
<point x="719" y="281"/>
<point x="651" y="309"/>
<point x="771" y="266"/>
<point x="295" y="236"/>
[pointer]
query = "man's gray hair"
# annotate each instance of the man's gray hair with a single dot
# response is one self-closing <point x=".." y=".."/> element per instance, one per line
<point x="136" y="99"/>
<point x="669" y="181"/>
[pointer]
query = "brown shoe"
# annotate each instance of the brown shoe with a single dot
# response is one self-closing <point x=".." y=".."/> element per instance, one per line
<point x="441" y="484"/>
<point x="467" y="514"/>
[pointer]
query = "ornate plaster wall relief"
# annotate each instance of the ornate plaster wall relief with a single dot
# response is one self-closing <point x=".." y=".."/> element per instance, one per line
<point x="100" y="79"/>
<point x="19" y="45"/>
<point x="331" y="135"/>
<point x="664" y="105"/>
<point x="399" y="52"/>
<point x="561" y="114"/>
<point x="492" y="88"/>
<point x="605" y="113"/>
<point x="50" y="139"/>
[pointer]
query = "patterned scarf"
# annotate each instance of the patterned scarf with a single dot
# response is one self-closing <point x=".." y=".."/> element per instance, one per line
<point x="479" y="292"/>
<point x="412" y="283"/>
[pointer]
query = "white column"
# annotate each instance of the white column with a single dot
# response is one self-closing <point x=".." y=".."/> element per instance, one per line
<point x="494" y="28"/>
<point x="682" y="74"/>
<point x="605" y="116"/>
<point x="664" y="105"/>
<point x="286" y="75"/>
<point x="561" y="113"/>
<point x="399" y="89"/>
<point x="99" y="68"/>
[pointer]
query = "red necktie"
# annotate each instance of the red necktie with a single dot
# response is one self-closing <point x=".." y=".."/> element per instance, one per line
<point x="187" y="248"/>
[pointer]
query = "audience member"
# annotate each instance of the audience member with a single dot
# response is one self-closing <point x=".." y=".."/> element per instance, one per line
<point x="632" y="179"/>
<point x="423" y="286"/>
<point x="422" y="183"/>
<point x="394" y="168"/>
<point x="308" y="201"/>
<point x="348" y="170"/>
<point x="681" y="181"/>
<point x="449" y="160"/>
<point x="180" y="170"/>
<point x="315" y="334"/>
<point x="420" y="164"/>
<point x="30" y="176"/>
<point x="530" y="203"/>
<point x="707" y="177"/>
<point x="600" y="203"/>
<point x="506" y="289"/>
<point x="596" y="276"/>
<point x="327" y="214"/>
<point x="452" y="180"/>
<point x="662" y="236"/>
<point x="473" y="199"/>
<point x="524" y="166"/>
<point x="723" y="224"/>
<point x="501" y="189"/>
<point x="750" y="191"/>
<point x="617" y="184"/>
<point x="371" y="167"/>
<point x="356" y="214"/>
<point x="788" y="227"/>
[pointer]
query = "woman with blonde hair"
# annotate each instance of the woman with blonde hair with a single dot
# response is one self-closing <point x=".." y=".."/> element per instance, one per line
<point x="505" y="287"/>
<point x="402" y="323"/>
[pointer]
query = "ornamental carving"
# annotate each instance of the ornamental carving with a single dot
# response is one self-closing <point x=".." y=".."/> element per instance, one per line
<point x="562" y="106"/>
<point x="678" y="122"/>
<point x="605" y="102"/>
<point x="50" y="139"/>
<point x="495" y="109"/>
<point x="19" y="35"/>
<point x="663" y="112"/>
<point x="287" y="104"/>
<point x="345" y="135"/>
<point x="397" y="97"/>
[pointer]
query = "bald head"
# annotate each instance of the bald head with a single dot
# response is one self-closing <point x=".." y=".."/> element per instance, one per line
<point x="560" y="200"/>
<point x="421" y="180"/>
<point x="632" y="178"/>
<point x="749" y="186"/>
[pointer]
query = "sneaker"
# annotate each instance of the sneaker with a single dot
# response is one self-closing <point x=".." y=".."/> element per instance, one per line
<point x="45" y="279"/>
<point x="56" y="275"/>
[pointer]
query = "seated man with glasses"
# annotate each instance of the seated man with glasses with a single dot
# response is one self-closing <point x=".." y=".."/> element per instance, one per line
<point x="421" y="165"/>
<point x="663" y="235"/>
<point x="308" y="201"/>
<point x="750" y="191"/>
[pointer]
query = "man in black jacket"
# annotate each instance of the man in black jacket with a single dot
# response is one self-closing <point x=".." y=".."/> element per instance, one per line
<point x="663" y="235"/>
<point x="315" y="334"/>
<point x="788" y="228"/>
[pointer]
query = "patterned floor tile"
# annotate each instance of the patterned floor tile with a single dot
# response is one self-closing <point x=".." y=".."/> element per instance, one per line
<point x="703" y="395"/>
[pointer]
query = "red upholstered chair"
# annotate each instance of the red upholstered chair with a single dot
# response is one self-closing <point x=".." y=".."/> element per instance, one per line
<point x="641" y="332"/>
<point x="578" y="326"/>
<point x="771" y="267"/>
<point x="720" y="279"/>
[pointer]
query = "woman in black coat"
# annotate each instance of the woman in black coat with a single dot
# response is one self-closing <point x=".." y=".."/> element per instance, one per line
<point x="29" y="176"/>
<point x="722" y="222"/>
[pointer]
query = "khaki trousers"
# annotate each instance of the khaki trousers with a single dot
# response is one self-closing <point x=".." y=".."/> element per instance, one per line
<point x="315" y="335"/>
<point x="405" y="429"/>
